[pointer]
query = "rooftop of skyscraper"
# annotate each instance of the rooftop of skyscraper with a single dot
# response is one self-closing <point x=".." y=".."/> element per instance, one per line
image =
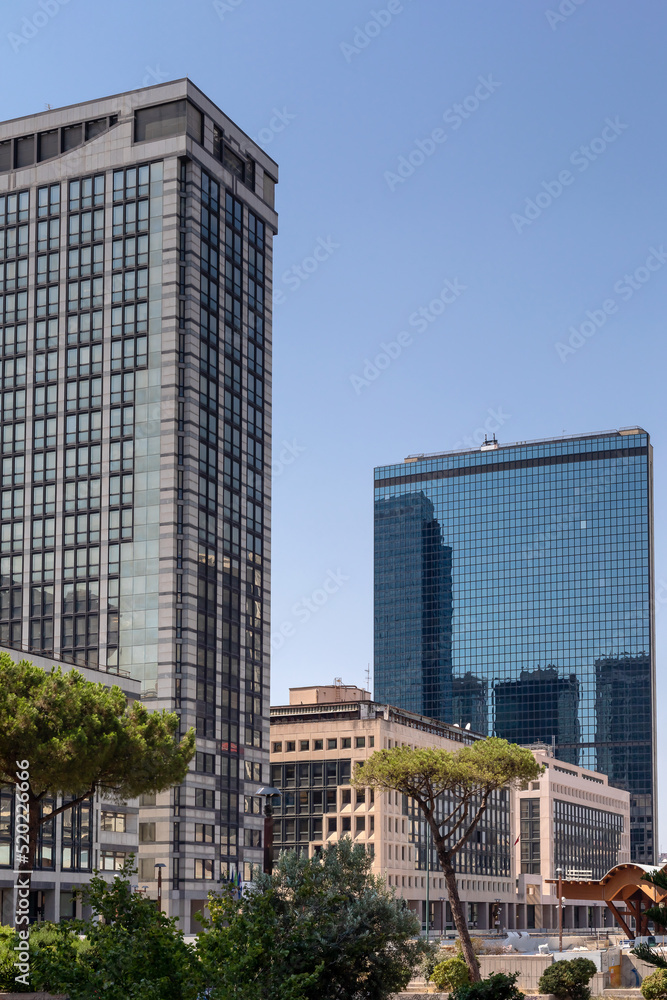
<point x="492" y="443"/>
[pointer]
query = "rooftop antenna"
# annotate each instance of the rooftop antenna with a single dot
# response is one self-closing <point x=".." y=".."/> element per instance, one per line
<point x="368" y="676"/>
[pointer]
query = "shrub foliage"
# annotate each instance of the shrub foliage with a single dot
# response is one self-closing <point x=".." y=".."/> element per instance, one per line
<point x="654" y="986"/>
<point x="319" y="928"/>
<point x="497" y="986"/>
<point x="568" y="980"/>
<point x="450" y="974"/>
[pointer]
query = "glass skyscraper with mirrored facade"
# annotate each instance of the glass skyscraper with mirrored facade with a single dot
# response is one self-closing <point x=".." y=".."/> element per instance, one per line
<point x="514" y="595"/>
<point x="135" y="356"/>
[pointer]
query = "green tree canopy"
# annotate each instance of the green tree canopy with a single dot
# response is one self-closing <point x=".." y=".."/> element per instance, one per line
<point x="321" y="928"/>
<point x="452" y="788"/>
<point x="79" y="737"/>
<point x="658" y="914"/>
<point x="134" y="952"/>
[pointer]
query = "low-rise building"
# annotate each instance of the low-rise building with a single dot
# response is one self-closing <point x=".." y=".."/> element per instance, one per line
<point x="573" y="819"/>
<point x="570" y="817"/>
<point x="316" y="741"/>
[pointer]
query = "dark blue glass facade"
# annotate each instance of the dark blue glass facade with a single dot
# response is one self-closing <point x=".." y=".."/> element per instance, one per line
<point x="514" y="594"/>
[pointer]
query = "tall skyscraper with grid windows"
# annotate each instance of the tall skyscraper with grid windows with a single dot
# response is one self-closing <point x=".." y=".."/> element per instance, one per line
<point x="135" y="287"/>
<point x="514" y="591"/>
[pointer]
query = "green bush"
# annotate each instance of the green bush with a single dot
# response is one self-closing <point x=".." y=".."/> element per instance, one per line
<point x="133" y="951"/>
<point x="431" y="959"/>
<point x="319" y="928"/>
<point x="498" y="986"/>
<point x="42" y="937"/>
<point x="568" y="980"/>
<point x="450" y="974"/>
<point x="654" y="986"/>
<point x="7" y="968"/>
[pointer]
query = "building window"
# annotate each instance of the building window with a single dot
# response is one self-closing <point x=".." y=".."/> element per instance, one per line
<point x="113" y="822"/>
<point x="204" y="798"/>
<point x="276" y="747"/>
<point x="318" y="744"/>
<point x="204" y="833"/>
<point x="304" y="744"/>
<point x="346" y="743"/>
<point x="203" y="868"/>
<point x="228" y="840"/>
<point x="77" y="837"/>
<point x="253" y="770"/>
<point x="112" y="861"/>
<point x="147" y="833"/>
<point x="530" y="836"/>
<point x="332" y="744"/>
<point x="205" y="762"/>
<point x="160" y="122"/>
<point x="252" y="838"/>
<point x="290" y="746"/>
<point x="359" y="741"/>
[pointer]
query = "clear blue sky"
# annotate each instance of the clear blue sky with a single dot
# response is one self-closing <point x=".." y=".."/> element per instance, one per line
<point x="348" y="109"/>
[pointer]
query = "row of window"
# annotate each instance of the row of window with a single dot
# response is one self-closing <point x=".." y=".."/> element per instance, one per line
<point x="305" y="830"/>
<point x="331" y="742"/>
<point x="319" y="801"/>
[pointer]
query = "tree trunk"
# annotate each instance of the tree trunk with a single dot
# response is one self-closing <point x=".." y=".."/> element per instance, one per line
<point x="457" y="909"/>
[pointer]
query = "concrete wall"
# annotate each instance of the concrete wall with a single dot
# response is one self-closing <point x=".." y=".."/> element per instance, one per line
<point x="633" y="970"/>
<point x="529" y="967"/>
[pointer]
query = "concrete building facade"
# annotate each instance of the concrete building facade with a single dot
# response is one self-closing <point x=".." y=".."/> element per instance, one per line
<point x="570" y="816"/>
<point x="315" y="742"/>
<point x="135" y="334"/>
<point x="573" y="819"/>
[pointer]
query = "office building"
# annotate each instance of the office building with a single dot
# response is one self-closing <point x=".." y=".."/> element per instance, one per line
<point x="573" y="819"/>
<point x="569" y="817"/>
<point x="96" y="833"/>
<point x="514" y="593"/>
<point x="135" y="287"/>
<point x="316" y="741"/>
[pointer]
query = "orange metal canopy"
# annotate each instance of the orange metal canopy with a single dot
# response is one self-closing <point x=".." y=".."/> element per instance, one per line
<point x="622" y="885"/>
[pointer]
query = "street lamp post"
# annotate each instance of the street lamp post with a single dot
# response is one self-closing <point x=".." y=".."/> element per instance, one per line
<point x="496" y="917"/>
<point x="159" y="867"/>
<point x="559" y="872"/>
<point x="268" y="792"/>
